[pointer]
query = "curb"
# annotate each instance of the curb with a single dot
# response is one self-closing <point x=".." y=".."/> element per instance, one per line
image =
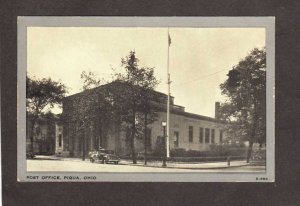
<point x="141" y="165"/>
<point x="191" y="168"/>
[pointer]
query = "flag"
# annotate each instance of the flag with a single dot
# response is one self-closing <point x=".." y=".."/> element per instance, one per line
<point x="169" y="40"/>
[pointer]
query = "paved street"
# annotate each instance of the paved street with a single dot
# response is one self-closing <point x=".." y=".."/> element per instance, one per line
<point x="56" y="165"/>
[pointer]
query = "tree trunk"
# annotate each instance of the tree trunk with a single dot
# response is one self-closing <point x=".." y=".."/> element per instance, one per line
<point x="117" y="138"/>
<point x="132" y="139"/>
<point x="145" y="136"/>
<point x="83" y="144"/>
<point x="133" y="150"/>
<point x="100" y="137"/>
<point x="249" y="152"/>
<point x="32" y="135"/>
<point x="253" y="133"/>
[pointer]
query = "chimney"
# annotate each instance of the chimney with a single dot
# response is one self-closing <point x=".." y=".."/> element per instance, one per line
<point x="217" y="110"/>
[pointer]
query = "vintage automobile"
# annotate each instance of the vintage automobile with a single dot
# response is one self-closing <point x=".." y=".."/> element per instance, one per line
<point x="104" y="156"/>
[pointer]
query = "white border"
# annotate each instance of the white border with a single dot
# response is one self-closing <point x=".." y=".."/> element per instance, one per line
<point x="237" y="22"/>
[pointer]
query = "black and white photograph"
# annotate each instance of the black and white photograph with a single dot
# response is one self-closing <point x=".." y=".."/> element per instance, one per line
<point x="149" y="103"/>
<point x="146" y="99"/>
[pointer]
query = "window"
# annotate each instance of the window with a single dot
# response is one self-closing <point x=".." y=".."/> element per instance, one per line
<point x="148" y="142"/>
<point x="59" y="140"/>
<point x="66" y="133"/>
<point x="213" y="136"/>
<point x="206" y="135"/>
<point x="176" y="139"/>
<point x="221" y="135"/>
<point x="190" y="133"/>
<point x="201" y="135"/>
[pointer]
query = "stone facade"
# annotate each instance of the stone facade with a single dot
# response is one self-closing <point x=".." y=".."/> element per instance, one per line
<point x="59" y="141"/>
<point x="188" y="131"/>
<point x="43" y="136"/>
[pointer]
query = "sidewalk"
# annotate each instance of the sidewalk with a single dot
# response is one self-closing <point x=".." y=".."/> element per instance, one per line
<point x="158" y="164"/>
<point x="187" y="165"/>
<point x="53" y="157"/>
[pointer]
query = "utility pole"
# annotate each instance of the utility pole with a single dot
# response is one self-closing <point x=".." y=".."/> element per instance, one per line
<point x="146" y="139"/>
<point x="164" y="124"/>
<point x="168" y="103"/>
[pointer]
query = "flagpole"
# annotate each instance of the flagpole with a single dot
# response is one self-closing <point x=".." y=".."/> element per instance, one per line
<point x="168" y="103"/>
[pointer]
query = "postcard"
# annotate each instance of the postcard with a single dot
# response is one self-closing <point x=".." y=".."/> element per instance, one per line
<point x="146" y="99"/>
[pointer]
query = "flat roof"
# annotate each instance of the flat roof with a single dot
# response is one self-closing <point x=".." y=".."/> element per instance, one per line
<point x="179" y="112"/>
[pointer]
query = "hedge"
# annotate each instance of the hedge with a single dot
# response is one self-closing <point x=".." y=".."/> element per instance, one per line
<point x="188" y="159"/>
<point x="215" y="153"/>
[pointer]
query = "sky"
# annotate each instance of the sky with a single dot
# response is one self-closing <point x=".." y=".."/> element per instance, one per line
<point x="199" y="58"/>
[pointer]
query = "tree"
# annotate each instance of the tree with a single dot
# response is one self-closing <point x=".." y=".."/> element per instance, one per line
<point x="147" y="107"/>
<point x="133" y="99"/>
<point x="90" y="112"/>
<point x="41" y="94"/>
<point x="90" y="80"/>
<point x="245" y="108"/>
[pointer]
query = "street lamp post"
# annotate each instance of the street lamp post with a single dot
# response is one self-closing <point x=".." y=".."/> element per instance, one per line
<point x="164" y="124"/>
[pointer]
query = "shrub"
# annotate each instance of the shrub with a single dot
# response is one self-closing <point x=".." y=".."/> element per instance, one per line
<point x="215" y="151"/>
<point x="179" y="152"/>
<point x="204" y="159"/>
<point x="259" y="154"/>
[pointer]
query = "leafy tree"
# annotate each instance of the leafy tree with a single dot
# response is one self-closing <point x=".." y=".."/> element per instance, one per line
<point x="147" y="107"/>
<point x="90" y="111"/>
<point x="133" y="99"/>
<point x="245" y="108"/>
<point x="126" y="102"/>
<point x="90" y="80"/>
<point x="41" y="94"/>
